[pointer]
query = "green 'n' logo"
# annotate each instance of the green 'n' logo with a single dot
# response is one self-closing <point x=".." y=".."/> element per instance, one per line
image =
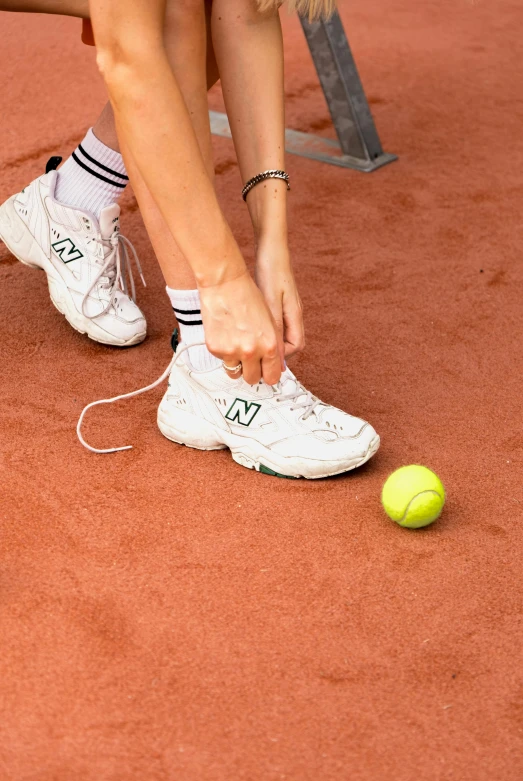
<point x="66" y="250"/>
<point x="242" y="412"/>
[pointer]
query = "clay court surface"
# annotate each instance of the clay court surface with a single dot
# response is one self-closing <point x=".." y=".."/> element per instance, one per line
<point x="166" y="614"/>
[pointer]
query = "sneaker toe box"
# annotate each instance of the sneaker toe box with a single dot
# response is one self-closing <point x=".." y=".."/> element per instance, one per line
<point x="123" y="323"/>
<point x="328" y="445"/>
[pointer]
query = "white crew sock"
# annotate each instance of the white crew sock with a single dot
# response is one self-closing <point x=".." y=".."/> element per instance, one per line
<point x="186" y="305"/>
<point x="92" y="178"/>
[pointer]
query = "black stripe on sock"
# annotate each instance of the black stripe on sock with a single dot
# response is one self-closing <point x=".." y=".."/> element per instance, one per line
<point x="189" y="322"/>
<point x="187" y="311"/>
<point x="100" y="165"/>
<point x="95" y="173"/>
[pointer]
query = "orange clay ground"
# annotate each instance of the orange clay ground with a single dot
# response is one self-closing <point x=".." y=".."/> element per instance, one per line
<point x="169" y="616"/>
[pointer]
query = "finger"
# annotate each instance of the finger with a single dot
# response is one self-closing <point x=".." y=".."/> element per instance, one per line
<point x="233" y="367"/>
<point x="292" y="348"/>
<point x="276" y="311"/>
<point x="277" y="314"/>
<point x="281" y="348"/>
<point x="294" y="332"/>
<point x="252" y="370"/>
<point x="281" y="345"/>
<point x="272" y="367"/>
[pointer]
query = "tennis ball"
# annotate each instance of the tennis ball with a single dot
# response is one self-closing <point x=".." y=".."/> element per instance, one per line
<point x="413" y="496"/>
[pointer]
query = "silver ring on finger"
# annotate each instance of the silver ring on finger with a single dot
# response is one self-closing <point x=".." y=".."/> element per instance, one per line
<point x="232" y="369"/>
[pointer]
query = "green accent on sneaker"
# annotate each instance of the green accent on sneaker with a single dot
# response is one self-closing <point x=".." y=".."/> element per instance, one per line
<point x="242" y="412"/>
<point x="266" y="471"/>
<point x="66" y="250"/>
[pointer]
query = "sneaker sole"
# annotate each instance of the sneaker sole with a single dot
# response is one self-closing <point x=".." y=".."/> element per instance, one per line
<point x="20" y="243"/>
<point x="189" y="430"/>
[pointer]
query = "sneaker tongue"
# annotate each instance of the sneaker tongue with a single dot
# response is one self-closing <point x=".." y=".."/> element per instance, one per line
<point x="289" y="383"/>
<point x="109" y="220"/>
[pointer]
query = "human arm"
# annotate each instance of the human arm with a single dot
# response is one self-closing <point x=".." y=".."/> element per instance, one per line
<point x="152" y="118"/>
<point x="249" y="50"/>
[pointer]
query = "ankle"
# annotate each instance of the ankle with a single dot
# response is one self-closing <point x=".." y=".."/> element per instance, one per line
<point x="186" y="306"/>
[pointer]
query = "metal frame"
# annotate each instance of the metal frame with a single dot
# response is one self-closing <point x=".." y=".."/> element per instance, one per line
<point x="358" y="145"/>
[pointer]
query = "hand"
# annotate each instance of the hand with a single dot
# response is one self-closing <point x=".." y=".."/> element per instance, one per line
<point x="239" y="328"/>
<point x="275" y="279"/>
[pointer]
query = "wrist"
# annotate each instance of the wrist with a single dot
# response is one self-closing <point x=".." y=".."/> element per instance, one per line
<point x="273" y="254"/>
<point x="267" y="204"/>
<point x="219" y="261"/>
<point x="222" y="278"/>
<point x="270" y="234"/>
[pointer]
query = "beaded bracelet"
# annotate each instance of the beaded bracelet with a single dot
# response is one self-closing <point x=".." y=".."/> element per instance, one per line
<point x="271" y="174"/>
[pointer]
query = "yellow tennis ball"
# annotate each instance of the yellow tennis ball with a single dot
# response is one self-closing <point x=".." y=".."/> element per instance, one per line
<point x="413" y="496"/>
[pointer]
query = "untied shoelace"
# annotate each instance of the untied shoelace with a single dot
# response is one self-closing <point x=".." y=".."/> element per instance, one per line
<point x="309" y="402"/>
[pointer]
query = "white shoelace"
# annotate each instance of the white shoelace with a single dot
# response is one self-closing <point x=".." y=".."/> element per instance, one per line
<point x="118" y="269"/>
<point x="157" y="382"/>
<point x="308" y="403"/>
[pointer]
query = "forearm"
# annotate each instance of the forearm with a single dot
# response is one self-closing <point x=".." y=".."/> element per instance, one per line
<point x="249" y="52"/>
<point x="79" y="8"/>
<point x="152" y="118"/>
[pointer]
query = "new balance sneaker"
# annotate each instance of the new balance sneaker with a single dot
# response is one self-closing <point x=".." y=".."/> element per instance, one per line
<point x="86" y="261"/>
<point x="281" y="430"/>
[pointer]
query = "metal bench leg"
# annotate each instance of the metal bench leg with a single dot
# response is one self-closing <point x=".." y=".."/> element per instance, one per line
<point x="358" y="138"/>
<point x="359" y="144"/>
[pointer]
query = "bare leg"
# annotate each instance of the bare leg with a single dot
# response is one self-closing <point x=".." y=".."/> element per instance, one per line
<point x="185" y="39"/>
<point x="105" y="130"/>
<point x="186" y="35"/>
<point x="185" y="43"/>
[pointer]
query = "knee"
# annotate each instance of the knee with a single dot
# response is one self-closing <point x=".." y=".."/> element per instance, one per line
<point x="108" y="56"/>
<point x="120" y="55"/>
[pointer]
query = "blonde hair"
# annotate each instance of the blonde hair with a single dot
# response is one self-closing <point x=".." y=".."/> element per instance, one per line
<point x="312" y="9"/>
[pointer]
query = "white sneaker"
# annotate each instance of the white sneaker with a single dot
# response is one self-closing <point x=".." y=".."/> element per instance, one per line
<point x="86" y="261"/>
<point x="281" y="430"/>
